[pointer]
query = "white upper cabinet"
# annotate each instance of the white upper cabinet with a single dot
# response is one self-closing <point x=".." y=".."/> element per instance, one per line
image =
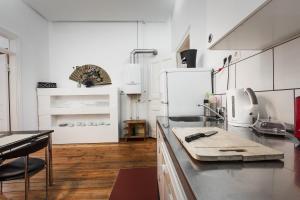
<point x="225" y="15"/>
<point x="252" y="24"/>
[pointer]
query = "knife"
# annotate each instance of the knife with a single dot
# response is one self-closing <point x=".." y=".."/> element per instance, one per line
<point x="199" y="135"/>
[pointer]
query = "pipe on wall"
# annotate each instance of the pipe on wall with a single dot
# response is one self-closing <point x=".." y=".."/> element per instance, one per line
<point x="134" y="52"/>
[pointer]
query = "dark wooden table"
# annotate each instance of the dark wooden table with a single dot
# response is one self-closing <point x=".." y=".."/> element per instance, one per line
<point x="12" y="139"/>
<point x="132" y="126"/>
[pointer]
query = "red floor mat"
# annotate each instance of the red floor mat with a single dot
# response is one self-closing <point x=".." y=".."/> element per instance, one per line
<point x="136" y="184"/>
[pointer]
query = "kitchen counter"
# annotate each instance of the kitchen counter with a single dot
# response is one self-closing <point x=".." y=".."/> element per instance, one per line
<point x="261" y="180"/>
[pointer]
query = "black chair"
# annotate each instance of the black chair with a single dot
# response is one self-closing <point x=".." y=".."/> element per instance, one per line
<point x="23" y="167"/>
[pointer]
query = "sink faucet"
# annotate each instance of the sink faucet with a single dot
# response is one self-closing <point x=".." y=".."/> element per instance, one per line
<point x="222" y="117"/>
<point x="207" y="107"/>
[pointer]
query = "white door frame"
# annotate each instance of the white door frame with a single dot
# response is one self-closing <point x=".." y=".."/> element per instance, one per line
<point x="165" y="63"/>
<point x="15" y="79"/>
<point x="4" y="101"/>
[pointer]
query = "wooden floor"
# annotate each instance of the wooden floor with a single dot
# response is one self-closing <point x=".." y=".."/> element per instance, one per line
<point x="85" y="171"/>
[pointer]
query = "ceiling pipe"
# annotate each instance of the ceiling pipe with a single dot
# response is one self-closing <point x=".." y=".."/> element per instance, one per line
<point x="134" y="52"/>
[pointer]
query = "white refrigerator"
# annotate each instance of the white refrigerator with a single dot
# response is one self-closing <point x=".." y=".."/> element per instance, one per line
<point x="183" y="89"/>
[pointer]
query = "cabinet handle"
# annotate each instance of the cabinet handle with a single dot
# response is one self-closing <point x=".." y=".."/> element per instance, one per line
<point x="210" y="38"/>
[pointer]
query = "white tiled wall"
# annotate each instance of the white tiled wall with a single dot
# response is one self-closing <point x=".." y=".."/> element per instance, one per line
<point x="214" y="59"/>
<point x="263" y="70"/>
<point x="256" y="72"/>
<point x="247" y="53"/>
<point x="297" y="93"/>
<point x="287" y="65"/>
<point x="221" y="80"/>
<point x="277" y="104"/>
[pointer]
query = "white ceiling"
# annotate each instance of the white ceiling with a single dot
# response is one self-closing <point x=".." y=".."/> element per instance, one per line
<point x="103" y="10"/>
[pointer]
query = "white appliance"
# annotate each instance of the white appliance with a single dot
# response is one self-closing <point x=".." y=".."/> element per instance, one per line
<point x="183" y="89"/>
<point x="132" y="79"/>
<point x="242" y="107"/>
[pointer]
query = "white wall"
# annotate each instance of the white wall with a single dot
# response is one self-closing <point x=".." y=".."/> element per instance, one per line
<point x="273" y="74"/>
<point x="189" y="18"/>
<point x="32" y="34"/>
<point x="152" y="35"/>
<point x="104" y="44"/>
<point x="107" y="45"/>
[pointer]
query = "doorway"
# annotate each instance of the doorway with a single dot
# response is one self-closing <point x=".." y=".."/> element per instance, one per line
<point x="154" y="98"/>
<point x="10" y="82"/>
<point x="4" y="86"/>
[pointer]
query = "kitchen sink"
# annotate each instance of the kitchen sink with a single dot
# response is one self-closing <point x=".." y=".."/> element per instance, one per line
<point x="192" y="119"/>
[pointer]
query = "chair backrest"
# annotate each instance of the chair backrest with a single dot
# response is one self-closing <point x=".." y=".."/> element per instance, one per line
<point x="26" y="149"/>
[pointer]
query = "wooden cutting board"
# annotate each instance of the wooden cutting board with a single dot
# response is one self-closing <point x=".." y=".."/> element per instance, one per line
<point x="224" y="146"/>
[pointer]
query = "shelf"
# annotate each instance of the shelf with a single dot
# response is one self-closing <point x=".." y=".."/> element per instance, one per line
<point x="99" y="91"/>
<point x="88" y="134"/>
<point x="80" y="111"/>
<point x="135" y="136"/>
<point x="274" y="23"/>
<point x="80" y="106"/>
<point x="76" y="128"/>
<point x="135" y="129"/>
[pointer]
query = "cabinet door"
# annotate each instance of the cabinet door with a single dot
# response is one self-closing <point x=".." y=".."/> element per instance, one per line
<point x="224" y="15"/>
<point x="163" y="182"/>
<point x="169" y="190"/>
<point x="160" y="166"/>
<point x="154" y="108"/>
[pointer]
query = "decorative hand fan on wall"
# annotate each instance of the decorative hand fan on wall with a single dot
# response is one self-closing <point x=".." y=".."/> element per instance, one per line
<point x="90" y="75"/>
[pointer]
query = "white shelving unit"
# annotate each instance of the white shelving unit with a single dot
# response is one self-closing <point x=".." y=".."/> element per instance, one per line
<point x="80" y="115"/>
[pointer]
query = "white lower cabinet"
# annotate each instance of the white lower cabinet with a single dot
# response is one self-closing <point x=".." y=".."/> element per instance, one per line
<point x="169" y="185"/>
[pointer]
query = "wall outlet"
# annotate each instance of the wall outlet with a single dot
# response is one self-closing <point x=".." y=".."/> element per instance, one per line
<point x="236" y="56"/>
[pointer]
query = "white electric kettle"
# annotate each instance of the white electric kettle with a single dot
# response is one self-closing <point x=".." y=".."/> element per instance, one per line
<point x="242" y="107"/>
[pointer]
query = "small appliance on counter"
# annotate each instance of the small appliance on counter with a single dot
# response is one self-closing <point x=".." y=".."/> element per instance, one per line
<point x="297" y="117"/>
<point x="276" y="128"/>
<point x="270" y="127"/>
<point x="242" y="107"/>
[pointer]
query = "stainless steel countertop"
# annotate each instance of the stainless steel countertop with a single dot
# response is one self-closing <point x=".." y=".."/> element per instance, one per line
<point x="262" y="180"/>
